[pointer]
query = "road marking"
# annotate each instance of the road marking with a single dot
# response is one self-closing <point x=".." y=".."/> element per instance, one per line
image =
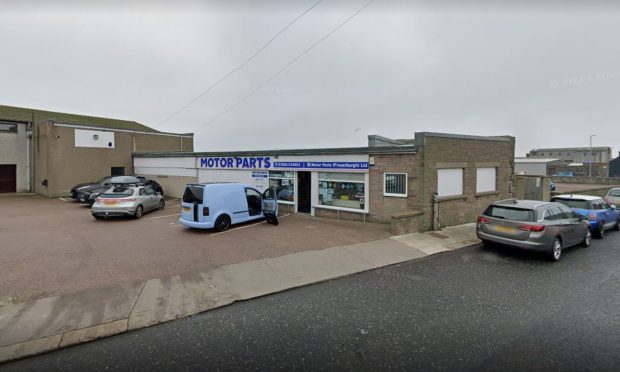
<point x="65" y="199"/>
<point x="170" y="215"/>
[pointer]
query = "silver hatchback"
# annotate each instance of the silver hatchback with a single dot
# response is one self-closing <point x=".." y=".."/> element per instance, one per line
<point x="533" y="225"/>
<point x="127" y="201"/>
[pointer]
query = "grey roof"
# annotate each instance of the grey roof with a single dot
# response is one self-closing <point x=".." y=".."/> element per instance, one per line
<point x="600" y="148"/>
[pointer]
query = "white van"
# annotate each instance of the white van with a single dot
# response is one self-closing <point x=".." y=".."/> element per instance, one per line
<point x="220" y="205"/>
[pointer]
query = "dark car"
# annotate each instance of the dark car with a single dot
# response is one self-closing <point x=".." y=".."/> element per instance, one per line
<point x="75" y="190"/>
<point x="88" y="195"/>
<point x="153" y="184"/>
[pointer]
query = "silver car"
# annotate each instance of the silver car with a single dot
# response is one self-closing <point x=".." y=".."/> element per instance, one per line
<point x="533" y="225"/>
<point x="613" y="196"/>
<point x="127" y="201"/>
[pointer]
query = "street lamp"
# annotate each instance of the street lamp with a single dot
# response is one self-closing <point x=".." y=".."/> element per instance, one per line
<point x="590" y="162"/>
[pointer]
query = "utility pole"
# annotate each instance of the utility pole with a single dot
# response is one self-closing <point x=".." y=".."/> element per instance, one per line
<point x="590" y="162"/>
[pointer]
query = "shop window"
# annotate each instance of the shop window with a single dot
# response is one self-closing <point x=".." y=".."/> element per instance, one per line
<point x="395" y="184"/>
<point x="8" y="127"/>
<point x="450" y="182"/>
<point x="486" y="179"/>
<point x="284" y="182"/>
<point x="344" y="190"/>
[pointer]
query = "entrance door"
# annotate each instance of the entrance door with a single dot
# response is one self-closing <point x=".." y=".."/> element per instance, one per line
<point x="8" y="178"/>
<point x="303" y="192"/>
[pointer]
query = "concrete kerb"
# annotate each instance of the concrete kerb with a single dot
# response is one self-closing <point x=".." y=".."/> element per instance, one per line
<point x="49" y="324"/>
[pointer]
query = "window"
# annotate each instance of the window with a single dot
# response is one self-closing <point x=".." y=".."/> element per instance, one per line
<point x="395" y="184"/>
<point x="509" y="213"/>
<point x="450" y="182"/>
<point x="553" y="213"/>
<point x="117" y="171"/>
<point x="486" y="179"/>
<point x="8" y="127"/>
<point x="345" y="190"/>
<point x="284" y="182"/>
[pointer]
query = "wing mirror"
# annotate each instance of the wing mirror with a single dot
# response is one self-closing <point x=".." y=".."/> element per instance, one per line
<point x="613" y="207"/>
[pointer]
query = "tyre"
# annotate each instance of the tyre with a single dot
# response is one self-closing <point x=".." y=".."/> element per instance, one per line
<point x="587" y="239"/>
<point x="556" y="250"/>
<point x="222" y="223"/>
<point x="97" y="217"/>
<point x="598" y="232"/>
<point x="162" y="204"/>
<point x="617" y="227"/>
<point x="139" y="212"/>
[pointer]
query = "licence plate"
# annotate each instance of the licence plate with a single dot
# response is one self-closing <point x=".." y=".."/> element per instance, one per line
<point x="187" y="209"/>
<point x="506" y="229"/>
<point x="109" y="202"/>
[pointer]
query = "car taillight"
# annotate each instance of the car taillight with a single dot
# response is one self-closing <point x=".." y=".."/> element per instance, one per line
<point x="205" y="211"/>
<point x="592" y="216"/>
<point x="535" y="228"/>
<point x="127" y="199"/>
<point x="482" y="220"/>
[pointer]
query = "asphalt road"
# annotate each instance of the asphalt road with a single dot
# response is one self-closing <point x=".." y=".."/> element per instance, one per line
<point x="471" y="309"/>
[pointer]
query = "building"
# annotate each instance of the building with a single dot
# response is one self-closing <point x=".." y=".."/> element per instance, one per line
<point x="573" y="154"/>
<point x="49" y="152"/>
<point x="416" y="184"/>
<point x="534" y="166"/>
<point x="614" y="167"/>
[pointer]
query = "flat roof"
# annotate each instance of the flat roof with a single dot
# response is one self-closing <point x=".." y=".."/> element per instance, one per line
<point x="531" y="160"/>
<point x="599" y="148"/>
<point x="320" y="151"/>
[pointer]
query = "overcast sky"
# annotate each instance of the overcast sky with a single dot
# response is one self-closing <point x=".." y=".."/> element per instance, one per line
<point x="547" y="74"/>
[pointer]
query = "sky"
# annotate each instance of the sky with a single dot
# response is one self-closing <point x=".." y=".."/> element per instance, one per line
<point x="547" y="73"/>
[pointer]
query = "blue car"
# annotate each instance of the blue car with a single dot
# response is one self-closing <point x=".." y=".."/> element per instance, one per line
<point x="599" y="214"/>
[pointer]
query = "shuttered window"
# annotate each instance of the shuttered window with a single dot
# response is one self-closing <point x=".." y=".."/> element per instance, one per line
<point x="395" y="184"/>
<point x="450" y="182"/>
<point x="486" y="179"/>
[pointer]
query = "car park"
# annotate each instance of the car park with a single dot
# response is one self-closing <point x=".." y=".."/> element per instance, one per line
<point x="612" y="196"/>
<point x="127" y="201"/>
<point x="88" y="193"/>
<point x="547" y="227"/>
<point x="600" y="215"/>
<point x="220" y="205"/>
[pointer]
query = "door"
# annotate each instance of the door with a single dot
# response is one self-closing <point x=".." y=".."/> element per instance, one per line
<point x="576" y="228"/>
<point x="270" y="205"/>
<point x="8" y="178"/>
<point x="303" y="192"/>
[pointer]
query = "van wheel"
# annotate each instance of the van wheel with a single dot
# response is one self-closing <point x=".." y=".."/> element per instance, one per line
<point x="222" y="223"/>
<point x="139" y="212"/>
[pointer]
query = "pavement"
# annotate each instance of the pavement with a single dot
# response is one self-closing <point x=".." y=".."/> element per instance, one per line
<point x="46" y="324"/>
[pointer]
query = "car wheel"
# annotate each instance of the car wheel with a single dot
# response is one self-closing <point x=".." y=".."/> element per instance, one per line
<point x="556" y="250"/>
<point x="598" y="233"/>
<point x="162" y="204"/>
<point x="97" y="217"/>
<point x="618" y="224"/>
<point x="222" y="223"/>
<point x="587" y="239"/>
<point x="139" y="212"/>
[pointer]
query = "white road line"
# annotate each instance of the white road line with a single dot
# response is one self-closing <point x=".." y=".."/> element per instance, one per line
<point x="170" y="215"/>
<point x="65" y="199"/>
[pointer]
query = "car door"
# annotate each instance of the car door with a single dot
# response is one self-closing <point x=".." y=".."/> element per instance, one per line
<point x="575" y="227"/>
<point x="144" y="200"/>
<point x="270" y="205"/>
<point x="554" y="218"/>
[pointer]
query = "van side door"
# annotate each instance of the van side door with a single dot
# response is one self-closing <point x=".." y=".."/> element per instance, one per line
<point x="270" y="205"/>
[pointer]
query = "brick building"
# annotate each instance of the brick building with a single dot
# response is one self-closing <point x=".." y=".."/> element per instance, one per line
<point x="433" y="180"/>
<point x="49" y="152"/>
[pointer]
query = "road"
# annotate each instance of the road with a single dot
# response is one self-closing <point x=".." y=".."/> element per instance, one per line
<point x="472" y="309"/>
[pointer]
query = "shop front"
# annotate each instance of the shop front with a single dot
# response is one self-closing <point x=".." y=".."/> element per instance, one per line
<point x="303" y="183"/>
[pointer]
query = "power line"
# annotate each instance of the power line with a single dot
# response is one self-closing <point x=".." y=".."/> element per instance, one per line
<point x="290" y="63"/>
<point x="241" y="65"/>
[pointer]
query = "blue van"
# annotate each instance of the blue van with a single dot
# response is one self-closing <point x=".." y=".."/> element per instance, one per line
<point x="220" y="205"/>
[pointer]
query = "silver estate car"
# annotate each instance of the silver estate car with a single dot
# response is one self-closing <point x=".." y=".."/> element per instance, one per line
<point x="533" y="225"/>
<point x="127" y="201"/>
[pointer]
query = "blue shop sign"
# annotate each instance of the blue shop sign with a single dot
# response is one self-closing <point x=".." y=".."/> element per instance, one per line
<point x="349" y="165"/>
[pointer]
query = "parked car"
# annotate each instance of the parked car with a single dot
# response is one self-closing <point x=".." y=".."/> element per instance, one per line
<point x="564" y="174"/>
<point x="551" y="186"/>
<point x="533" y="225"/>
<point x="127" y="201"/>
<point x="613" y="196"/>
<point x="220" y="205"/>
<point x="153" y="184"/>
<point x="599" y="214"/>
<point x="89" y="194"/>
<point x="82" y="187"/>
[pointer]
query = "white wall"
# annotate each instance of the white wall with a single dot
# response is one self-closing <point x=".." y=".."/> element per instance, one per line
<point x="94" y="138"/>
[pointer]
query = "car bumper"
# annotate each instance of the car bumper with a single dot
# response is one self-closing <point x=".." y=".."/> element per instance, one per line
<point x="523" y="244"/>
<point x="196" y="225"/>
<point x="109" y="212"/>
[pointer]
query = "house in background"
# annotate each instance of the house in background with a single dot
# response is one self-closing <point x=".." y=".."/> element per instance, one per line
<point x="573" y="154"/>
<point x="614" y="167"/>
<point x="534" y="167"/>
<point x="48" y="152"/>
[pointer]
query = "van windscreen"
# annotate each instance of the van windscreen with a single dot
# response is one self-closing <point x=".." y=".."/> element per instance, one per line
<point x="193" y="194"/>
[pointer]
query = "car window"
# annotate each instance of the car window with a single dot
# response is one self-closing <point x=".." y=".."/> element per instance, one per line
<point x="193" y="194"/>
<point x="553" y="213"/>
<point x="615" y="192"/>
<point x="118" y="192"/>
<point x="599" y="205"/>
<point x="510" y="213"/>
<point x="573" y="203"/>
<point x="149" y="190"/>
<point x="567" y="212"/>
<point x="142" y="192"/>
